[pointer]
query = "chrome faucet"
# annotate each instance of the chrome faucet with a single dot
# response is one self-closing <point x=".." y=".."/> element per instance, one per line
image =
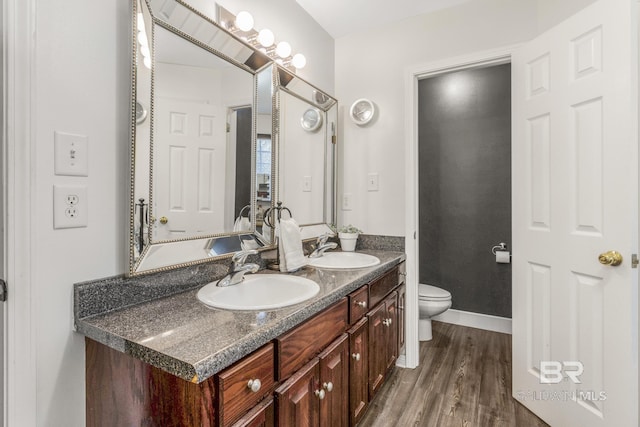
<point x="322" y="245"/>
<point x="239" y="268"/>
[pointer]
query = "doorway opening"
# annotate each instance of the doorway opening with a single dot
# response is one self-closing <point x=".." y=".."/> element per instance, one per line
<point x="464" y="186"/>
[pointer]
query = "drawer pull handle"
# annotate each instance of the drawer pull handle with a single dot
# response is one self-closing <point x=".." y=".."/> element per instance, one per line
<point x="328" y="386"/>
<point x="386" y="322"/>
<point x="362" y="304"/>
<point x="356" y="356"/>
<point x="254" y="385"/>
<point x="320" y="393"/>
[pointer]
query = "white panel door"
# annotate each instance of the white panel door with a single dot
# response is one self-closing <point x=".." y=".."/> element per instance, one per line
<point x="189" y="169"/>
<point x="575" y="196"/>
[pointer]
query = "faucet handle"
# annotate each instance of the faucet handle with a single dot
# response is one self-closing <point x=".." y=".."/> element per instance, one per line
<point x="240" y="257"/>
<point x="322" y="239"/>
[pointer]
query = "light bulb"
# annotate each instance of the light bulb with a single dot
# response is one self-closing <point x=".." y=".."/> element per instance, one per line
<point x="299" y="61"/>
<point x="244" y="21"/>
<point x="144" y="50"/>
<point x="283" y="50"/>
<point x="142" y="39"/>
<point x="266" y="37"/>
<point x="140" y="22"/>
<point x="147" y="62"/>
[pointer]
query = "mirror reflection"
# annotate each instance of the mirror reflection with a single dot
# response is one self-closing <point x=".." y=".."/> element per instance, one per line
<point x="307" y="132"/>
<point x="196" y="191"/>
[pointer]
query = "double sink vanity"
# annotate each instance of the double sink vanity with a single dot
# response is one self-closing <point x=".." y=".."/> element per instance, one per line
<point x="175" y="361"/>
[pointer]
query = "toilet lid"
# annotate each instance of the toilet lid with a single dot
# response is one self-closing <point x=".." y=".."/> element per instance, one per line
<point x="432" y="293"/>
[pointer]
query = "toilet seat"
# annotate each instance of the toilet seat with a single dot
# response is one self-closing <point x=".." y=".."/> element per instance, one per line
<point x="432" y="293"/>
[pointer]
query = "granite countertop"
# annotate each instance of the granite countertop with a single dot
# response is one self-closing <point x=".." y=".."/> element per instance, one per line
<point x="186" y="338"/>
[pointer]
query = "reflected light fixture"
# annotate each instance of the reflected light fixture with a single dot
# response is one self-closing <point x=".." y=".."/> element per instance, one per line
<point x="266" y="37"/>
<point x="298" y="60"/>
<point x="283" y="50"/>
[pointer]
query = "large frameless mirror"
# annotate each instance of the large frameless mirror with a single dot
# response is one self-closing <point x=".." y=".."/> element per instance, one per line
<point x="202" y="168"/>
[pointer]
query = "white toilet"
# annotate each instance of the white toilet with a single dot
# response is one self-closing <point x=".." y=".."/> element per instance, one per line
<point x="432" y="301"/>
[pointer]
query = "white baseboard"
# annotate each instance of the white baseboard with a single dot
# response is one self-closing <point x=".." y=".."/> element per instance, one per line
<point x="476" y="320"/>
<point x="402" y="361"/>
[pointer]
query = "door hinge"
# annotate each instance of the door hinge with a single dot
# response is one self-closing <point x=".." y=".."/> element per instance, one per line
<point x="634" y="261"/>
<point x="3" y="290"/>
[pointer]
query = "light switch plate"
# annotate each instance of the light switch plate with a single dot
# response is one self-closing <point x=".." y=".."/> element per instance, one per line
<point x="373" y="182"/>
<point x="70" y="154"/>
<point x="346" y="202"/>
<point x="306" y="184"/>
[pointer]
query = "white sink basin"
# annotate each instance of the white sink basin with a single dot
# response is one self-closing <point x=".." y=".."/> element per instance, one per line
<point x="259" y="292"/>
<point x="338" y="260"/>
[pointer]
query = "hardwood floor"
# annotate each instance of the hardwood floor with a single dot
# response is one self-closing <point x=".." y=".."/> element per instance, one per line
<point x="464" y="379"/>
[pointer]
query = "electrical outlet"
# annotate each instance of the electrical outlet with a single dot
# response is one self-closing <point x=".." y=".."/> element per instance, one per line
<point x="346" y="202"/>
<point x="70" y="206"/>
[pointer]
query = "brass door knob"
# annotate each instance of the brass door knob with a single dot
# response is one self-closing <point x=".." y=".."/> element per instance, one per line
<point x="611" y="258"/>
<point x="164" y="220"/>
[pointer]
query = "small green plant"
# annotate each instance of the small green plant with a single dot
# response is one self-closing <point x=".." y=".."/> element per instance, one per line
<point x="346" y="229"/>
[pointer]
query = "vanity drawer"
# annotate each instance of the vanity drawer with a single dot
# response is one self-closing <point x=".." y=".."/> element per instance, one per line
<point x="381" y="287"/>
<point x="235" y="395"/>
<point x="358" y="304"/>
<point x="303" y="342"/>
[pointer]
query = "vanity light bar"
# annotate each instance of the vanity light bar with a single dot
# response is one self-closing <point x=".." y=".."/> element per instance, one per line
<point x="263" y="40"/>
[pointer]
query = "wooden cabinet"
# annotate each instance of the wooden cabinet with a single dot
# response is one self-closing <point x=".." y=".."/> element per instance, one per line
<point x="334" y="380"/>
<point x="297" y="399"/>
<point x="244" y="384"/>
<point x="321" y="375"/>
<point x="358" y="370"/>
<point x="317" y="395"/>
<point x="383" y="341"/>
<point x="303" y="342"/>
<point x="262" y="415"/>
<point x="358" y="304"/>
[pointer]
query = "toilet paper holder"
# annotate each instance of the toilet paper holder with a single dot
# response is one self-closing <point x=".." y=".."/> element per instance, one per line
<point x="499" y="247"/>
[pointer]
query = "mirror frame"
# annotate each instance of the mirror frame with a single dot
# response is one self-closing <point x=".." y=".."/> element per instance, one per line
<point x="297" y="87"/>
<point x="255" y="63"/>
<point x="281" y="80"/>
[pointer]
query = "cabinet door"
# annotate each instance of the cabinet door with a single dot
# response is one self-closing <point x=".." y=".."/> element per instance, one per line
<point x="391" y="326"/>
<point x="358" y="370"/>
<point x="260" y="416"/>
<point x="297" y="401"/>
<point x="334" y="380"/>
<point x="377" y="347"/>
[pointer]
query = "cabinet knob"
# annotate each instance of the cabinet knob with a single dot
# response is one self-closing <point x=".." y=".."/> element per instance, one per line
<point x="254" y="385"/>
<point x="320" y="393"/>
<point x="356" y="356"/>
<point x="386" y="322"/>
<point x="362" y="304"/>
<point x="390" y="320"/>
<point x="328" y="386"/>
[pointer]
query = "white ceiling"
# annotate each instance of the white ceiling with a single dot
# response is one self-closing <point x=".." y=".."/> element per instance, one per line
<point x="342" y="17"/>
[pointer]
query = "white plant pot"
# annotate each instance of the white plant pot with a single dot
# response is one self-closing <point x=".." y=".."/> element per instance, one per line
<point x="348" y="241"/>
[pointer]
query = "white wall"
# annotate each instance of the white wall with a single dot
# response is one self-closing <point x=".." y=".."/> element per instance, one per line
<point x="82" y="86"/>
<point x="378" y="72"/>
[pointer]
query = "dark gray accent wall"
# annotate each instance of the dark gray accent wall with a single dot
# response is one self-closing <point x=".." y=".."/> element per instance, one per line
<point x="464" y="130"/>
<point x="243" y="159"/>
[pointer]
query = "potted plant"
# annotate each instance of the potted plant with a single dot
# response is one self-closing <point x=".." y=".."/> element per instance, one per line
<point x="348" y="237"/>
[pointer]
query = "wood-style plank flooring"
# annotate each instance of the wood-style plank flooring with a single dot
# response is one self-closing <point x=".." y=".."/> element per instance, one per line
<point x="464" y="379"/>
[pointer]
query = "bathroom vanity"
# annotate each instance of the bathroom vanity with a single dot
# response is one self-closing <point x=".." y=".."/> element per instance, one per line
<point x="176" y="362"/>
